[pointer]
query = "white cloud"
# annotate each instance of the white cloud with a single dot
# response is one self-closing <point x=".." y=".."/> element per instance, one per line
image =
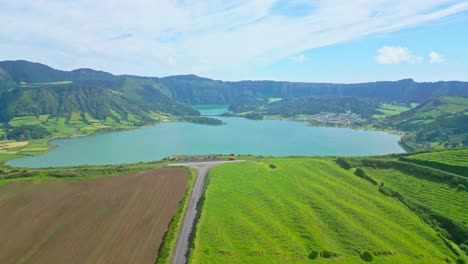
<point x="435" y="57"/>
<point x="299" y="58"/>
<point x="396" y="55"/>
<point x="218" y="38"/>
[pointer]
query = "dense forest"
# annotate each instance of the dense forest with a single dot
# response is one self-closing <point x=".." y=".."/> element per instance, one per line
<point x="27" y="132"/>
<point x="364" y="107"/>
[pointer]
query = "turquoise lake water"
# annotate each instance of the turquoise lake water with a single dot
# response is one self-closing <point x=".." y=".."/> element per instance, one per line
<point x="237" y="136"/>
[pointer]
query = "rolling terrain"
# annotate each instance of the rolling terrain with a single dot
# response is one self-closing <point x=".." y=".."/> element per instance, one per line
<point x="380" y="209"/>
<point x="119" y="219"/>
<point x="167" y="94"/>
<point x="454" y="161"/>
<point x="86" y="101"/>
<point x="439" y="123"/>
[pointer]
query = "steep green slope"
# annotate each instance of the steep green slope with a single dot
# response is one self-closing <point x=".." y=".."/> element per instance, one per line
<point x="364" y="107"/>
<point x="192" y="89"/>
<point x="6" y="83"/>
<point x="442" y="122"/>
<point x="151" y="94"/>
<point x="444" y="198"/>
<point x="428" y="112"/>
<point x="436" y="194"/>
<point x="32" y="89"/>
<point x="30" y="72"/>
<point x="196" y="90"/>
<point x="454" y="161"/>
<point x="63" y="101"/>
<point x="302" y="209"/>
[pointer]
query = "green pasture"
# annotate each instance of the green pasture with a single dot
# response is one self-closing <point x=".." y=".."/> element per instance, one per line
<point x="295" y="210"/>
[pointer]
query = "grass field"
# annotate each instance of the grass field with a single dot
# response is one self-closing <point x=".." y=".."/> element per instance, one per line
<point x="305" y="209"/>
<point x="119" y="219"/>
<point x="455" y="160"/>
<point x="441" y="197"/>
<point x="391" y="109"/>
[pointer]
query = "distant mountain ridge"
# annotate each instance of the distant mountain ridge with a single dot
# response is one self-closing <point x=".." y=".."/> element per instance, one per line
<point x="28" y="88"/>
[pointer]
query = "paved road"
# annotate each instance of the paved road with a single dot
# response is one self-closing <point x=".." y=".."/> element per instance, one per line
<point x="181" y="247"/>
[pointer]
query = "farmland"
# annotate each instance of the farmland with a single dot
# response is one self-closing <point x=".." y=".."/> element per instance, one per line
<point x="118" y="219"/>
<point x="455" y="157"/>
<point x="441" y="197"/>
<point x="454" y="161"/>
<point x="392" y="109"/>
<point x="292" y="210"/>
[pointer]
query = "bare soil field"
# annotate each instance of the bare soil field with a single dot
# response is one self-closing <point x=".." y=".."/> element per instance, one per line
<point x="119" y="219"/>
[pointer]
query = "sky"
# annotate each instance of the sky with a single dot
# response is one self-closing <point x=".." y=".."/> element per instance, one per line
<point x="294" y="40"/>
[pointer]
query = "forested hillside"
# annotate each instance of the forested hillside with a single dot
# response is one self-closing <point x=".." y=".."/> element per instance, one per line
<point x="442" y="122"/>
<point x="192" y="89"/>
<point x="30" y="90"/>
<point x="365" y="107"/>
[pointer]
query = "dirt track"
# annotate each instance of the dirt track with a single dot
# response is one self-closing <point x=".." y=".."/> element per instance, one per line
<point x="119" y="219"/>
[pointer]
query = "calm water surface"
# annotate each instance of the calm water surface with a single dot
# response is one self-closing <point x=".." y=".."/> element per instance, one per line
<point x="238" y="135"/>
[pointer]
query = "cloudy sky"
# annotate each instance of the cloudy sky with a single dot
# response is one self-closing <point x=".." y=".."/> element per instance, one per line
<point x="296" y="40"/>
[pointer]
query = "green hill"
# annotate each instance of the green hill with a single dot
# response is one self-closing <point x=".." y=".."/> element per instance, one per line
<point x="33" y="89"/>
<point x="295" y="210"/>
<point x="30" y="90"/>
<point x="439" y="123"/>
<point x="197" y="90"/>
<point x="364" y="107"/>
<point x="454" y="161"/>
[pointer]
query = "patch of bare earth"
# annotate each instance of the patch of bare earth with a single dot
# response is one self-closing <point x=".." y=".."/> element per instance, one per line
<point x="120" y="219"/>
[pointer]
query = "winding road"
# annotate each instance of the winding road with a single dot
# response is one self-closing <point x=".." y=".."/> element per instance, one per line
<point x="179" y="256"/>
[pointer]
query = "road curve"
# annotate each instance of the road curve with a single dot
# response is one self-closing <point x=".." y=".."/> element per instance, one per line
<point x="179" y="256"/>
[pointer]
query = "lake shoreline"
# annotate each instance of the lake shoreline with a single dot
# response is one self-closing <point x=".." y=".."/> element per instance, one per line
<point x="162" y="135"/>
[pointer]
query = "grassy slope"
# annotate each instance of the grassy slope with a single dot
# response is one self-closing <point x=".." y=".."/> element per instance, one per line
<point x="454" y="161"/>
<point x="390" y="110"/>
<point x="445" y="157"/>
<point x="436" y="124"/>
<point x="254" y="214"/>
<point x="441" y="197"/>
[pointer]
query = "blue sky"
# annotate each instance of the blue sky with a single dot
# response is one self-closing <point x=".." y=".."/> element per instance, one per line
<point x="295" y="40"/>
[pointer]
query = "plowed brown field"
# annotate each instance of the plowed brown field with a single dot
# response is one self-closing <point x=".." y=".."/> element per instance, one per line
<point x="120" y="219"/>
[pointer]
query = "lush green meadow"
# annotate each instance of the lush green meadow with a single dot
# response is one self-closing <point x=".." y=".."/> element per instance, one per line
<point x="441" y="197"/>
<point x="392" y="109"/>
<point x="455" y="157"/>
<point x="455" y="161"/>
<point x="307" y="209"/>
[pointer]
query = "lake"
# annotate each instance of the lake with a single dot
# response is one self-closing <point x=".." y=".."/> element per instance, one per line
<point x="237" y="136"/>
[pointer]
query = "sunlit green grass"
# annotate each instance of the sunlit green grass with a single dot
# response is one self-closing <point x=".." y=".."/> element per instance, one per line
<point x="439" y="196"/>
<point x="456" y="157"/>
<point x="391" y="109"/>
<point x="255" y="214"/>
